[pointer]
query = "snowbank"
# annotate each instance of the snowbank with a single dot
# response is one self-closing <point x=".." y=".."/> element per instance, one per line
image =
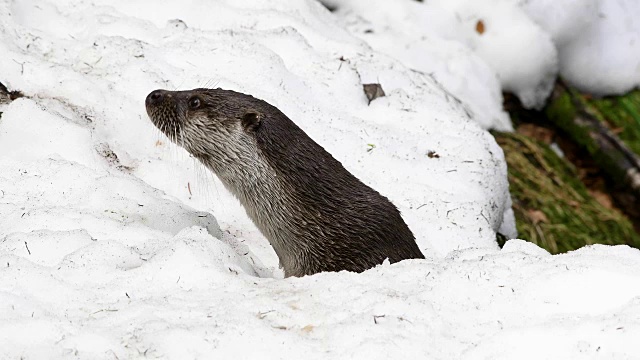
<point x="507" y="45"/>
<point x="416" y="35"/>
<point x="108" y="243"/>
<point x="518" y="303"/>
<point x="598" y="41"/>
<point x="475" y="48"/>
<point x="100" y="69"/>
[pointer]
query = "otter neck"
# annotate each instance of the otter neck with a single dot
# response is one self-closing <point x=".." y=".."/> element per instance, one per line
<point x="261" y="193"/>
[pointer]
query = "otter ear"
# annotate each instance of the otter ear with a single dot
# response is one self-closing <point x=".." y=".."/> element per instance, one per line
<point x="251" y="120"/>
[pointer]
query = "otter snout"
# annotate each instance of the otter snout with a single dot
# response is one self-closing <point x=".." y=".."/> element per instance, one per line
<point x="155" y="98"/>
<point x="162" y="109"/>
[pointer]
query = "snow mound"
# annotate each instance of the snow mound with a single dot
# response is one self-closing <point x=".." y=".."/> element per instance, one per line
<point x="524" y="44"/>
<point x="476" y="49"/>
<point x="415" y="35"/>
<point x="518" y="50"/>
<point x="99" y="70"/>
<point x="475" y="304"/>
<point x="598" y="41"/>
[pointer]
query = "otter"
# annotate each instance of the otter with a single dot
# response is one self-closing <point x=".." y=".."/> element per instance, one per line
<point x="316" y="215"/>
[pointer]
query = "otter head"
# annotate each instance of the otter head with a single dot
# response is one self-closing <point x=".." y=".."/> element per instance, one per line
<point x="214" y="125"/>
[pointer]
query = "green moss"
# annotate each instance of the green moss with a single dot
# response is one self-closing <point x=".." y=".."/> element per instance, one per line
<point x="619" y="114"/>
<point x="553" y="208"/>
<point x="562" y="111"/>
<point x="562" y="108"/>
<point x="622" y="114"/>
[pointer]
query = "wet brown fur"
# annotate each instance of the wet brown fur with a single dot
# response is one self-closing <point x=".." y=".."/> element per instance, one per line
<point x="316" y="215"/>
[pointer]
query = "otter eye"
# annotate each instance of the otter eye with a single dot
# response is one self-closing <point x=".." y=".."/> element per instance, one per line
<point x="194" y="103"/>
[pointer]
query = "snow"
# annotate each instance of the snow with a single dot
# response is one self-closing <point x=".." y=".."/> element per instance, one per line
<point x="410" y="33"/>
<point x="523" y="46"/>
<point x="598" y="41"/>
<point x="115" y="244"/>
<point x="441" y="37"/>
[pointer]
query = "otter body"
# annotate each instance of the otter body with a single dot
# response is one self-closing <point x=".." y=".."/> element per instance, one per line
<point x="316" y="215"/>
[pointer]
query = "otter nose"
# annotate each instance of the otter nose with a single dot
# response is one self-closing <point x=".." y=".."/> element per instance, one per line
<point x="155" y="97"/>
